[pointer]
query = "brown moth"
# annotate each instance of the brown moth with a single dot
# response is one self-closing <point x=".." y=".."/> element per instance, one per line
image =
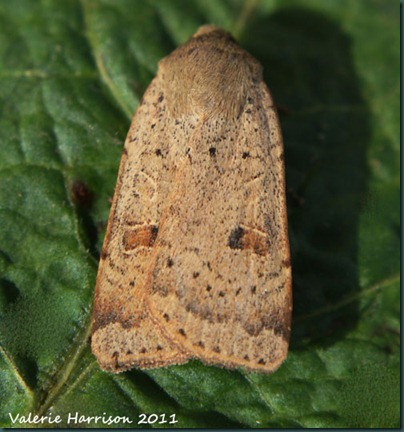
<point x="196" y="261"/>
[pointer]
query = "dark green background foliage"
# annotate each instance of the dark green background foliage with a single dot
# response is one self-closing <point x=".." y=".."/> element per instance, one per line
<point x="72" y="73"/>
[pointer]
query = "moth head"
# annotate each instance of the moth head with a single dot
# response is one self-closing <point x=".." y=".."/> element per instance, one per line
<point x="208" y="76"/>
<point x="212" y="31"/>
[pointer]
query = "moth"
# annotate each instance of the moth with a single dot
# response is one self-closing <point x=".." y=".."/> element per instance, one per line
<point x="195" y="262"/>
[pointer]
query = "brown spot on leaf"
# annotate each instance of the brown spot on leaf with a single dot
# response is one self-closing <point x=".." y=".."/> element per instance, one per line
<point x="82" y="196"/>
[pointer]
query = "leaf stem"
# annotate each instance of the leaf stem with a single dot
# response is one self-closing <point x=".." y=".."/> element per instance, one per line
<point x="103" y="72"/>
<point x="17" y="374"/>
<point x="246" y="12"/>
<point x="65" y="371"/>
<point x="350" y="298"/>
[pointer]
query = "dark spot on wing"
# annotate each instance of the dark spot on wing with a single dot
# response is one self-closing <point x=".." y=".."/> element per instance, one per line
<point x="235" y="238"/>
<point x="245" y="238"/>
<point x="140" y="236"/>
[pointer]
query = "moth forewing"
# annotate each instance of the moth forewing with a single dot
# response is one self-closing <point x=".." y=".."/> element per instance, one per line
<point x="196" y="258"/>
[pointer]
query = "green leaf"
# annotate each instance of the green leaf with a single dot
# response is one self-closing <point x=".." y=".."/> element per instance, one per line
<point x="72" y="74"/>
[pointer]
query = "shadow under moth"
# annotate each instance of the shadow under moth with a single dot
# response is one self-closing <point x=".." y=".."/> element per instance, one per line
<point x="195" y="262"/>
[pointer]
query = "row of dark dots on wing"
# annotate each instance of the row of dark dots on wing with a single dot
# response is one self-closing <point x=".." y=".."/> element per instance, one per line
<point x="141" y="351"/>
<point x="195" y="275"/>
<point x="201" y="344"/>
<point x="212" y="153"/>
